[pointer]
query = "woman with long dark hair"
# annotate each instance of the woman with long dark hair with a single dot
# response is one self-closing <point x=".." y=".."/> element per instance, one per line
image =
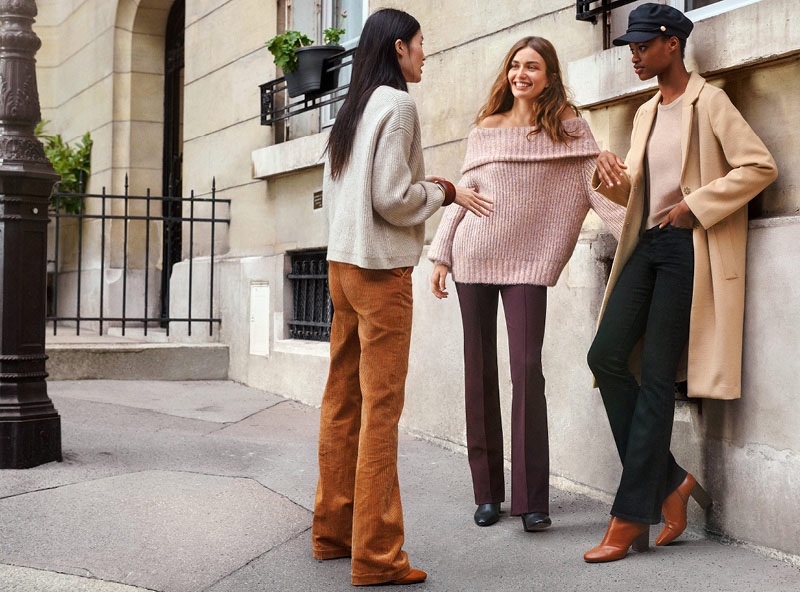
<point x="378" y="200"/>
<point x="532" y="153"/>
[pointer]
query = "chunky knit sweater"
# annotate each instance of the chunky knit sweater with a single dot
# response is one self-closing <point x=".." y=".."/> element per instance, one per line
<point x="377" y="208"/>
<point x="541" y="192"/>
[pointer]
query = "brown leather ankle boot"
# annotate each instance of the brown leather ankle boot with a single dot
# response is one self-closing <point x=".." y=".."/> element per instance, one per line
<point x="415" y="576"/>
<point x="621" y="535"/>
<point x="674" y="509"/>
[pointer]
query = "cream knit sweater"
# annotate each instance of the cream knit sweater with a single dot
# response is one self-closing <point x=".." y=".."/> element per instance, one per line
<point x="377" y="208"/>
<point x="541" y="192"/>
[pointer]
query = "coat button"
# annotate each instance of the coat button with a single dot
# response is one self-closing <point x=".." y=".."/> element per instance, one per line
<point x="686" y="190"/>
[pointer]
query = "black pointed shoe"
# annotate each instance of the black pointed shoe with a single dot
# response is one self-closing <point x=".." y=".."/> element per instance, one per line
<point x="487" y="514"/>
<point x="533" y="521"/>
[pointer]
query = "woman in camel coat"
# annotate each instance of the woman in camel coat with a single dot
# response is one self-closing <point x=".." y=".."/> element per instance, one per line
<point x="678" y="279"/>
<point x="724" y="166"/>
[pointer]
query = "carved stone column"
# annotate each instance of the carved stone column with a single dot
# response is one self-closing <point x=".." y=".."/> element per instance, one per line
<point x="30" y="427"/>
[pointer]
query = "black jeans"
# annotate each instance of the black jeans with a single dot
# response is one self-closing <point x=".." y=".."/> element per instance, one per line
<point x="651" y="300"/>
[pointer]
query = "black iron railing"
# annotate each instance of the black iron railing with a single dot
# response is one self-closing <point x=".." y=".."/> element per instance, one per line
<point x="277" y="106"/>
<point x="312" y="309"/>
<point x="587" y="10"/>
<point x="154" y="208"/>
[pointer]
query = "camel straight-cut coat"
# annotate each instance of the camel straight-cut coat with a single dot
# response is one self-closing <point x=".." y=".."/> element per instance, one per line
<point x="724" y="165"/>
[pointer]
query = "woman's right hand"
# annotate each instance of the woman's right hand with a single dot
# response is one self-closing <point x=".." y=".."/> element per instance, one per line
<point x="438" y="279"/>
<point x="610" y="168"/>
<point x="478" y="204"/>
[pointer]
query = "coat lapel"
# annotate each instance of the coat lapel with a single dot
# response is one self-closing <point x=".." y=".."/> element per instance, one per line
<point x="690" y="96"/>
<point x="639" y="140"/>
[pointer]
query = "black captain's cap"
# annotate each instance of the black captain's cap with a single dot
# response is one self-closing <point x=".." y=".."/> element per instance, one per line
<point x="650" y="20"/>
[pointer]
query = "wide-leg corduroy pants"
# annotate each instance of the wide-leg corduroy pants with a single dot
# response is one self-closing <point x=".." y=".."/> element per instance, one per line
<point x="525" y="310"/>
<point x="357" y="511"/>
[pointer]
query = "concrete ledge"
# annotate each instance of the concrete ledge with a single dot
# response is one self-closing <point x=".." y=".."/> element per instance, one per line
<point x="289" y="157"/>
<point x="140" y="361"/>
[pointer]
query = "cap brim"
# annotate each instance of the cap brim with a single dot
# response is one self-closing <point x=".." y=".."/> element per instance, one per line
<point x="635" y="37"/>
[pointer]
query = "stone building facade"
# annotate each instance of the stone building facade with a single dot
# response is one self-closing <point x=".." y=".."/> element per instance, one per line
<point x="102" y="68"/>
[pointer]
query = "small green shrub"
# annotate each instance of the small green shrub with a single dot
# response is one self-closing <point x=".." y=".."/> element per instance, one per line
<point x="72" y="163"/>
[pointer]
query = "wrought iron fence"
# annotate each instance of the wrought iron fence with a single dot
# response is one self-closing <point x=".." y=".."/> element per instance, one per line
<point x="163" y="212"/>
<point x="312" y="309"/>
<point x="276" y="105"/>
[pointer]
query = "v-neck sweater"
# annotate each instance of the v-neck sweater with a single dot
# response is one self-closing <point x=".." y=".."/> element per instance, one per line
<point x="542" y="193"/>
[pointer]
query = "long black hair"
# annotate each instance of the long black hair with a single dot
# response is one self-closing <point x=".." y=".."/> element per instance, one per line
<point x="375" y="64"/>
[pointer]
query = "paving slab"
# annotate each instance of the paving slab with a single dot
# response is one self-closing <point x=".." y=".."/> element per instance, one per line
<point x="23" y="579"/>
<point x="215" y="401"/>
<point x="176" y="532"/>
<point x="159" y="492"/>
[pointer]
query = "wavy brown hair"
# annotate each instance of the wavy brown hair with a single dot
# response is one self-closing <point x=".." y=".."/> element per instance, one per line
<point x="550" y="104"/>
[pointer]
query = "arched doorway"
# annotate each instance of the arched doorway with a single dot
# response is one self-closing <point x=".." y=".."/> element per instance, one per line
<point x="172" y="181"/>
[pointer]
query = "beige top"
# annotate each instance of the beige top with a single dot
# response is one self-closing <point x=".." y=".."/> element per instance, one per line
<point x="664" y="162"/>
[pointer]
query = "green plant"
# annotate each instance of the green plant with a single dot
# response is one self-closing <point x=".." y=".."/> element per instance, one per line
<point x="282" y="49"/>
<point x="331" y="35"/>
<point x="72" y="163"/>
<point x="282" y="46"/>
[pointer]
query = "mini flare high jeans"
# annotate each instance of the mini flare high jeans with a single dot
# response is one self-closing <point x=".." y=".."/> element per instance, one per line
<point x="650" y="301"/>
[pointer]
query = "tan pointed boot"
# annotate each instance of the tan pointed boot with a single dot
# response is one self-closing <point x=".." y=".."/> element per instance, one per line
<point x="674" y="509"/>
<point x="621" y="535"/>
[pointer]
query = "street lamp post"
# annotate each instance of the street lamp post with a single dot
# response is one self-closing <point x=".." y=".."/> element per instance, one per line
<point x="30" y="427"/>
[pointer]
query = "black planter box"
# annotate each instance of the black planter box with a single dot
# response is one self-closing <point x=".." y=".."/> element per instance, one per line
<point x="310" y="76"/>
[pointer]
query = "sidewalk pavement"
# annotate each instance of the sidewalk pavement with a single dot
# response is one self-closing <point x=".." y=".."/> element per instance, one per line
<point x="209" y="487"/>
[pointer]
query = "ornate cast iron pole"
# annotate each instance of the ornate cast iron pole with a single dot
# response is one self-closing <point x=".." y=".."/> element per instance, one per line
<point x="30" y="427"/>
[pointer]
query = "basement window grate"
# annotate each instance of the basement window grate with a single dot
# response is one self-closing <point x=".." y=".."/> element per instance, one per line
<point x="312" y="309"/>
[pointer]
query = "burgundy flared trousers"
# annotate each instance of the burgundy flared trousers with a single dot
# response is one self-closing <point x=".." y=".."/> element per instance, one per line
<point x="525" y="307"/>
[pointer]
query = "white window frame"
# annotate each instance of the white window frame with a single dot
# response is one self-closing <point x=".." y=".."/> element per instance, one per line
<point x="705" y="12"/>
<point x="327" y="113"/>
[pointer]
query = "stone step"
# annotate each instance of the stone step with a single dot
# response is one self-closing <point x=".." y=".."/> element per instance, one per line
<point x="128" y="360"/>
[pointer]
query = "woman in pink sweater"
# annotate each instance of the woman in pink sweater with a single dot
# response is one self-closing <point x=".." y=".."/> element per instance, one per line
<point x="534" y="155"/>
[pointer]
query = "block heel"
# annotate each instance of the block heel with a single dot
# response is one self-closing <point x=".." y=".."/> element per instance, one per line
<point x="701" y="496"/>
<point x="642" y="542"/>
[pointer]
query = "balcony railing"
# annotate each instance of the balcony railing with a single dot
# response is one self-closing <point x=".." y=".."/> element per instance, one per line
<point x="277" y="106"/>
<point x="587" y="10"/>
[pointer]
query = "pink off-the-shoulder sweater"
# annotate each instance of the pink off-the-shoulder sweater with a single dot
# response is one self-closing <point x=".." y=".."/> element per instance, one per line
<point x="541" y="192"/>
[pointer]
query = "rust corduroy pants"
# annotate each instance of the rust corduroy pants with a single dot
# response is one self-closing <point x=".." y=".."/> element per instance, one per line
<point x="357" y="511"/>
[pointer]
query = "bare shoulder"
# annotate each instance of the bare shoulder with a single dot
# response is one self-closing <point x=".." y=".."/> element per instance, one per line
<point x="496" y="120"/>
<point x="568" y="114"/>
